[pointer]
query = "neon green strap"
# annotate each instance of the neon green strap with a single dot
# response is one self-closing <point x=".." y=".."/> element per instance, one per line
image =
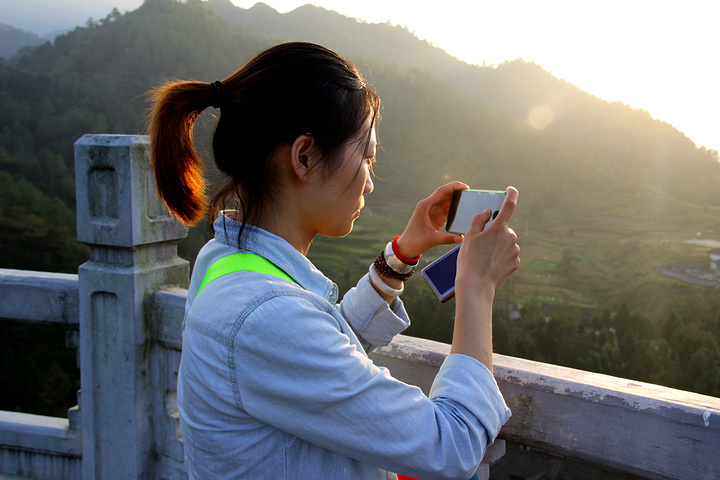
<point x="239" y="262"/>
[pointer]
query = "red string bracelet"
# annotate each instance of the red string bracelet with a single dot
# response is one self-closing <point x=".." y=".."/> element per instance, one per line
<point x="396" y="251"/>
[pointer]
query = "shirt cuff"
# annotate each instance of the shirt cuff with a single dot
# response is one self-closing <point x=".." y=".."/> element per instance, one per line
<point x="370" y="316"/>
<point x="466" y="381"/>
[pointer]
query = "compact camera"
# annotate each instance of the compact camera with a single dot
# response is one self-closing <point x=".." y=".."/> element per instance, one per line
<point x="465" y="204"/>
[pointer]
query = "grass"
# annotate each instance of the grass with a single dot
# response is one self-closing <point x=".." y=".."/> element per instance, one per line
<point x="614" y="250"/>
<point x="600" y="253"/>
<point x="589" y="250"/>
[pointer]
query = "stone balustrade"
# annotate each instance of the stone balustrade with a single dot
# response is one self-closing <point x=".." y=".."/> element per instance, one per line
<point x="128" y="303"/>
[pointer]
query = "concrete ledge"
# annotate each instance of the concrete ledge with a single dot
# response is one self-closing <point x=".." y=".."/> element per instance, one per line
<point x="639" y="428"/>
<point x="42" y="297"/>
<point x="39" y="434"/>
<point x="628" y="426"/>
<point x="634" y="427"/>
<point x="168" y="311"/>
<point x="23" y="465"/>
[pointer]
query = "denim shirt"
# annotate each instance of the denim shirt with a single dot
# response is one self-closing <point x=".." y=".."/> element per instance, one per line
<point x="275" y="382"/>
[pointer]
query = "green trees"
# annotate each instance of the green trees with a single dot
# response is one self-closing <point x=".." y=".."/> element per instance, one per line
<point x="43" y="373"/>
<point x="37" y="231"/>
<point x="91" y="80"/>
<point x="579" y="177"/>
<point x="679" y="354"/>
<point x="695" y="351"/>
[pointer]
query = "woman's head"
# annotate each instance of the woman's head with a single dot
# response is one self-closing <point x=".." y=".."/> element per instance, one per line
<point x="284" y="92"/>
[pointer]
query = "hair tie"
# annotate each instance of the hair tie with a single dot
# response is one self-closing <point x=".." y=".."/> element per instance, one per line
<point x="216" y="94"/>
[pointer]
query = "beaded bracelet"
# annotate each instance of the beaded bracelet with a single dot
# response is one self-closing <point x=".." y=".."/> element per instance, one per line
<point x="386" y="271"/>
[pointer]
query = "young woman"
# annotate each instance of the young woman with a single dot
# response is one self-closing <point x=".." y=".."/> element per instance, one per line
<point x="275" y="381"/>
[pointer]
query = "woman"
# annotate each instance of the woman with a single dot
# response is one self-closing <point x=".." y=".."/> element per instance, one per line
<point x="274" y="380"/>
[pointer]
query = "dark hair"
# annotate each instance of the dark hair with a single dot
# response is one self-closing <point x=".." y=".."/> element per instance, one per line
<point x="284" y="92"/>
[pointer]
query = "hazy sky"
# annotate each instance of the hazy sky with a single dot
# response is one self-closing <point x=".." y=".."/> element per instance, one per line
<point x="658" y="55"/>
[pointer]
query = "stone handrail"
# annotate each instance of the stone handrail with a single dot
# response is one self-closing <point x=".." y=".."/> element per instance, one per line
<point x="39" y="297"/>
<point x="128" y="304"/>
<point x="629" y="426"/>
<point x="647" y="430"/>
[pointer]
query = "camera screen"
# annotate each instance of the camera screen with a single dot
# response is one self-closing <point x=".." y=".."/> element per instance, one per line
<point x="468" y="203"/>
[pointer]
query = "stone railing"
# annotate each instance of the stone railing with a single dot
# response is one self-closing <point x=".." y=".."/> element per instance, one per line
<point x="128" y="304"/>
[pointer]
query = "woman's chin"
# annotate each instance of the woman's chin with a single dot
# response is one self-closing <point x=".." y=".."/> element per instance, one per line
<point x="339" y="232"/>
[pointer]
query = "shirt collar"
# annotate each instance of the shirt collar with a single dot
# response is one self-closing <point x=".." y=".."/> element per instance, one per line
<point x="278" y="251"/>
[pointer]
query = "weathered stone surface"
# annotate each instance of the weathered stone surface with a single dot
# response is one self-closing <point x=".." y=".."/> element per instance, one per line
<point x="629" y="426"/>
<point x="43" y="297"/>
<point x="39" y="433"/>
<point x="168" y="307"/>
<point x="117" y="204"/>
<point x="133" y="243"/>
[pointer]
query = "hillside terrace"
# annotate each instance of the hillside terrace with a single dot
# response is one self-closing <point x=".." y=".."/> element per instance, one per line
<point x="127" y="303"/>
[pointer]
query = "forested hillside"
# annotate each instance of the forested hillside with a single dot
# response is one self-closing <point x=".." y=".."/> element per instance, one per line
<point x="13" y="39"/>
<point x="606" y="192"/>
<point x="621" y="137"/>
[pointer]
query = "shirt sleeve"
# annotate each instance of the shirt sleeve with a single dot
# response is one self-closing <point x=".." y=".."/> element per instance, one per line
<point x="374" y="321"/>
<point x="296" y="370"/>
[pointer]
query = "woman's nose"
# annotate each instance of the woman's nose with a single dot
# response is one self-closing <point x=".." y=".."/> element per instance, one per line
<point x="369" y="185"/>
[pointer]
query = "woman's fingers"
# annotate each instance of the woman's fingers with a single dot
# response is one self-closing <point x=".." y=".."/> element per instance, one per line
<point x="492" y="253"/>
<point x="446" y="190"/>
<point x="508" y="206"/>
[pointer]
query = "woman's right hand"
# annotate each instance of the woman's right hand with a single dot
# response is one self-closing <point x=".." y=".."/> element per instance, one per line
<point x="488" y="256"/>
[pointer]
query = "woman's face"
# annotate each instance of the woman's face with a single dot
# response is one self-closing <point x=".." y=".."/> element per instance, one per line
<point x="341" y="197"/>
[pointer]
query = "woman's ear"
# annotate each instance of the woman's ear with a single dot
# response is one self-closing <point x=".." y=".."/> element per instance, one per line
<point x="302" y="153"/>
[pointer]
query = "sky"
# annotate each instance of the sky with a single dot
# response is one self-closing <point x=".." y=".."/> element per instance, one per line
<point x="657" y="55"/>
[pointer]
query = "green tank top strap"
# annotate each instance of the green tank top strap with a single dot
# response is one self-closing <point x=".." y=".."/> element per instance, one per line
<point x="239" y="262"/>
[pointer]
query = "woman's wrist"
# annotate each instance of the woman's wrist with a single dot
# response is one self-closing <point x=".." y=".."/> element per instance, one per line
<point x="391" y="287"/>
<point x="474" y="291"/>
<point x="474" y="285"/>
<point x="407" y="249"/>
<point x="391" y="264"/>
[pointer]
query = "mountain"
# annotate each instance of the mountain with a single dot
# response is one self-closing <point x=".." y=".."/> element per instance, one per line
<point x="472" y="124"/>
<point x="606" y="192"/>
<point x="380" y="41"/>
<point x="627" y="138"/>
<point x="13" y="39"/>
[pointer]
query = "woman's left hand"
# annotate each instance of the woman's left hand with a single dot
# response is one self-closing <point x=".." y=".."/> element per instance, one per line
<point x="423" y="230"/>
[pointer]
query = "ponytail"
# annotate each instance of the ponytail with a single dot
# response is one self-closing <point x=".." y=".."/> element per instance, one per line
<point x="285" y="91"/>
<point x="175" y="162"/>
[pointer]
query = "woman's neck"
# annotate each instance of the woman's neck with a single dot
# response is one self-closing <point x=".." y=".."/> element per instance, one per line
<point x="289" y="227"/>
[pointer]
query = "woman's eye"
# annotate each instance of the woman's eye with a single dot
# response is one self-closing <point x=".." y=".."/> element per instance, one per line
<point x="369" y="162"/>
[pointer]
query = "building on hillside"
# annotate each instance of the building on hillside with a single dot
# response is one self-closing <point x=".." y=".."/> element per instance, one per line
<point x="715" y="260"/>
<point x="715" y="265"/>
<point x="691" y="272"/>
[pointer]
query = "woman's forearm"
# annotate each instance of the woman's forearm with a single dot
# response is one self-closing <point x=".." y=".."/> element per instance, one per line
<point x="472" y="335"/>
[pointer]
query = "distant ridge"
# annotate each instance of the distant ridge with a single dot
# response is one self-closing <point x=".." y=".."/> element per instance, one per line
<point x="513" y="88"/>
<point x="606" y="192"/>
<point x="380" y="41"/>
<point x="13" y="39"/>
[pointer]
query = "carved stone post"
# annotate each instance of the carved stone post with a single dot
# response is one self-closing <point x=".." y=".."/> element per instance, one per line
<point x="133" y="242"/>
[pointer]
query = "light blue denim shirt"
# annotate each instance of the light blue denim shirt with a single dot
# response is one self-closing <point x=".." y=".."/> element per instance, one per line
<point x="275" y="382"/>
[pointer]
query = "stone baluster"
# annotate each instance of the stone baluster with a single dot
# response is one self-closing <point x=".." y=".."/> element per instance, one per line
<point x="133" y="242"/>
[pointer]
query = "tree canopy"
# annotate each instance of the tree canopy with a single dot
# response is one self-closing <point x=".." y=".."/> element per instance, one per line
<point x="606" y="191"/>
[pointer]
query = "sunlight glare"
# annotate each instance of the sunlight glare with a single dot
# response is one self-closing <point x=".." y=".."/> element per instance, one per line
<point x="540" y="117"/>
